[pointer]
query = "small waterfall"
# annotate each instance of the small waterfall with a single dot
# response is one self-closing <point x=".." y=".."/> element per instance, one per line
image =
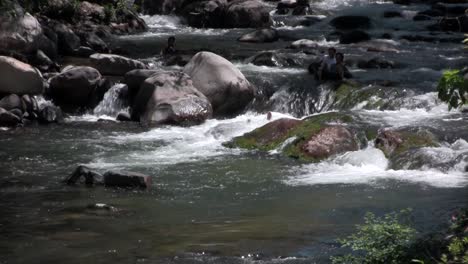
<point x="113" y="101"/>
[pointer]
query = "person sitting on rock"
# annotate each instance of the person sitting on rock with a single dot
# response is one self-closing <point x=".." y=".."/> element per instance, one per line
<point x="326" y="65"/>
<point x="170" y="49"/>
<point x="339" y="69"/>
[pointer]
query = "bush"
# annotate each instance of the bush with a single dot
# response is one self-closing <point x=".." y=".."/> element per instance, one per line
<point x="381" y="240"/>
<point x="453" y="89"/>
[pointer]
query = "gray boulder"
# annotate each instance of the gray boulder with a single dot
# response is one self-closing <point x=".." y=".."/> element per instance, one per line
<point x="170" y="98"/>
<point x="260" y="35"/>
<point x="110" y="64"/>
<point x="74" y="86"/>
<point x="247" y="14"/>
<point x="19" y="31"/>
<point x="351" y="22"/>
<point x="19" y="78"/>
<point x="10" y="102"/>
<point x="221" y="82"/>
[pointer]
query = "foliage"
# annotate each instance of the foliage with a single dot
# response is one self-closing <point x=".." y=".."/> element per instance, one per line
<point x="381" y="240"/>
<point x="453" y="89"/>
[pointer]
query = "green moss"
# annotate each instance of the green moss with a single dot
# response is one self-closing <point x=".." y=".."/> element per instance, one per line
<point x="371" y="134"/>
<point x="265" y="139"/>
<point x="415" y="140"/>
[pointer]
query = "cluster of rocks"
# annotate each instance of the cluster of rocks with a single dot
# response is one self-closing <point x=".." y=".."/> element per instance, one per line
<point x="62" y="28"/>
<point x="293" y="7"/>
<point x="111" y="178"/>
<point x="213" y="13"/>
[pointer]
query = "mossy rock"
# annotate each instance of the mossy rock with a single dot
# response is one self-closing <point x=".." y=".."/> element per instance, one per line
<point x="349" y="95"/>
<point x="293" y="136"/>
<point x="394" y="143"/>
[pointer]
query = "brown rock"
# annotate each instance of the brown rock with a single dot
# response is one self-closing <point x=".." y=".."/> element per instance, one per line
<point x="329" y="141"/>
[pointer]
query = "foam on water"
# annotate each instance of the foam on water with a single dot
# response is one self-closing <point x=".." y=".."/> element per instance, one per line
<point x="182" y="144"/>
<point x="249" y="67"/>
<point x="369" y="166"/>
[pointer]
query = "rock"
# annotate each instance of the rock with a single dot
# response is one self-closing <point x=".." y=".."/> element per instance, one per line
<point x="10" y="102"/>
<point x="170" y="98"/>
<point x="313" y="139"/>
<point x="73" y="87"/>
<point x="60" y="9"/>
<point x="330" y="141"/>
<point x="90" y="11"/>
<point x="394" y="142"/>
<point x="247" y="14"/>
<point x="376" y="63"/>
<point x="84" y="52"/>
<point x="302" y="10"/>
<point x="133" y="79"/>
<point x="351" y="22"/>
<point x="81" y="172"/>
<point x="205" y="14"/>
<point x="19" y="78"/>
<point x="160" y="6"/>
<point x="110" y="64"/>
<point x="272" y="59"/>
<point x="127" y="179"/>
<point x="41" y="61"/>
<point x="221" y="82"/>
<point x="354" y="37"/>
<point x="17" y="112"/>
<point x="68" y="41"/>
<point x="304" y="44"/>
<point x="391" y="14"/>
<point x="123" y="117"/>
<point x="19" y="31"/>
<point x="8" y="119"/>
<point x="93" y="41"/>
<point x="421" y="18"/>
<point x="29" y="104"/>
<point x="48" y="46"/>
<point x="51" y="114"/>
<point x="260" y="36"/>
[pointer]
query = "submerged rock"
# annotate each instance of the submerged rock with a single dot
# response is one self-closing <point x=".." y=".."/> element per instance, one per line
<point x="312" y="139"/>
<point x="127" y="179"/>
<point x="260" y="35"/>
<point x="170" y="98"/>
<point x="89" y="176"/>
<point x="19" y="78"/>
<point x="221" y="82"/>
<point x="110" y="64"/>
<point x="351" y="22"/>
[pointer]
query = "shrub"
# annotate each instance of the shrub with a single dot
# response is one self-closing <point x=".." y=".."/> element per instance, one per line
<point x="381" y="240"/>
<point x="453" y="89"/>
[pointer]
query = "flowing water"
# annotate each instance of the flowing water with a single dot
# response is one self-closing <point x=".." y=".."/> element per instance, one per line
<point x="210" y="204"/>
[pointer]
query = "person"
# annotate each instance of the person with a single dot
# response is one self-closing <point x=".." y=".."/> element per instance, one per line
<point x="338" y="69"/>
<point x="170" y="49"/>
<point x="327" y="63"/>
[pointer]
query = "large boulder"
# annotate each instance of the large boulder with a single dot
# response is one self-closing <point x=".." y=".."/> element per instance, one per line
<point x="19" y="31"/>
<point x="68" y="42"/>
<point x="110" y="64"/>
<point x="313" y="139"/>
<point x="260" y="36"/>
<point x="351" y="22"/>
<point x="205" y="14"/>
<point x="170" y="98"/>
<point x="221" y="82"/>
<point x="396" y="142"/>
<point x="19" y="78"/>
<point x="247" y="14"/>
<point x="74" y="86"/>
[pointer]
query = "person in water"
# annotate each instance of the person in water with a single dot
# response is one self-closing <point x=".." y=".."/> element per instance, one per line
<point x="338" y="69"/>
<point x="170" y="49"/>
<point x="327" y="63"/>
